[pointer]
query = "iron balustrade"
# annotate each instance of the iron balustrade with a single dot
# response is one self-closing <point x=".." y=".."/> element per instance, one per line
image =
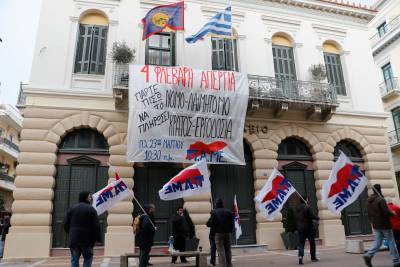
<point x="271" y="88"/>
<point x="9" y="144"/>
<point x="388" y="28"/>
<point x="394" y="137"/>
<point x="6" y="177"/>
<point x="388" y="86"/>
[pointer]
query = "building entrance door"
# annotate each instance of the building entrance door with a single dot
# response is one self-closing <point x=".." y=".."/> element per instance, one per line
<point x="228" y="180"/>
<point x="149" y="179"/>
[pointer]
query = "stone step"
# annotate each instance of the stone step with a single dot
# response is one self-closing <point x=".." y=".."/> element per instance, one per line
<point x="249" y="249"/>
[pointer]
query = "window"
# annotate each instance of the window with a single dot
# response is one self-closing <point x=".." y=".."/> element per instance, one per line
<point x="282" y="52"/>
<point x="82" y="140"/>
<point x="160" y="49"/>
<point x="11" y="137"/>
<point x="224" y="54"/>
<point x="91" y="48"/>
<point x="334" y="72"/>
<point x="382" y="29"/>
<point x="292" y="148"/>
<point x="396" y="118"/>
<point x="388" y="76"/>
<point x="349" y="149"/>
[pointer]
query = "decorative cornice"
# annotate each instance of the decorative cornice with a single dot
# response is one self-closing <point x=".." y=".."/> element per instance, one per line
<point x="279" y="20"/>
<point x="149" y="4"/>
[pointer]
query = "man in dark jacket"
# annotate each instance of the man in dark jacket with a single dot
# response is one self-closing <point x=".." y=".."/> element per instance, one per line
<point x="179" y="232"/>
<point x="145" y="237"/>
<point x="379" y="215"/>
<point x="211" y="237"/>
<point x="306" y="220"/>
<point x="223" y="224"/>
<point x="83" y="228"/>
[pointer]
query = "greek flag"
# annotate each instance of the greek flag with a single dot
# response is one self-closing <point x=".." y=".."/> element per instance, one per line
<point x="220" y="24"/>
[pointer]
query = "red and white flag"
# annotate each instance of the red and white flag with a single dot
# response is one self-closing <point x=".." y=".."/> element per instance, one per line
<point x="274" y="195"/>
<point x="238" y="227"/>
<point x="346" y="182"/>
<point x="191" y="181"/>
<point x="109" y="196"/>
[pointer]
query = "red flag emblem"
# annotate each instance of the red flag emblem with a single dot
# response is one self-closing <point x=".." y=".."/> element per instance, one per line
<point x="346" y="173"/>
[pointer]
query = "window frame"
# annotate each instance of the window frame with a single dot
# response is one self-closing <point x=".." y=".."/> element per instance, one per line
<point x="232" y="52"/>
<point x="171" y="49"/>
<point x="279" y="62"/>
<point x="337" y="73"/>
<point x="389" y="82"/>
<point x="382" y="29"/>
<point x="100" y="47"/>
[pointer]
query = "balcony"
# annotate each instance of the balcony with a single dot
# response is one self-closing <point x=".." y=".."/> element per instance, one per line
<point x="7" y="182"/>
<point x="394" y="139"/>
<point x="11" y="116"/>
<point x="319" y="100"/>
<point x="383" y="39"/>
<point x="8" y="148"/>
<point x="389" y="88"/>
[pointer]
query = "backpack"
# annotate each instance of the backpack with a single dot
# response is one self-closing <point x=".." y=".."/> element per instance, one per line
<point x="136" y="224"/>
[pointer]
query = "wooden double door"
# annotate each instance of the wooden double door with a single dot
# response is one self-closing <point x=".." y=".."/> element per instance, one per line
<point x="81" y="173"/>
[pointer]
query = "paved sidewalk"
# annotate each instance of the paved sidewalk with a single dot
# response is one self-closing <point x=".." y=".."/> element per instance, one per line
<point x="330" y="257"/>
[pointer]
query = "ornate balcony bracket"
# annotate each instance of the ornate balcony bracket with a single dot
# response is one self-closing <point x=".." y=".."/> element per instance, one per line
<point x="327" y="113"/>
<point x="314" y="112"/>
<point x="282" y="108"/>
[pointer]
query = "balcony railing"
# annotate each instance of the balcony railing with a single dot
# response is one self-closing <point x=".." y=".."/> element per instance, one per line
<point x="394" y="138"/>
<point x="388" y="86"/>
<point x="270" y="88"/>
<point x="9" y="144"/>
<point x="6" y="178"/>
<point x="314" y="97"/>
<point x="388" y="28"/>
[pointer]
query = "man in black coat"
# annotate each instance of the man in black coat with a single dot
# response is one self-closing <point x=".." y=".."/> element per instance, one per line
<point x="223" y="224"/>
<point x="211" y="237"/>
<point x="306" y="221"/>
<point x="83" y="228"/>
<point x="145" y="236"/>
<point x="179" y="232"/>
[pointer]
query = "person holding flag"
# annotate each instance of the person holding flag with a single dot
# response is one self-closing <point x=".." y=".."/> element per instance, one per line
<point x="306" y="221"/>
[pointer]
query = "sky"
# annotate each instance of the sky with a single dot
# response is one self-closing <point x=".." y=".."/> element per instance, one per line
<point x="18" y="27"/>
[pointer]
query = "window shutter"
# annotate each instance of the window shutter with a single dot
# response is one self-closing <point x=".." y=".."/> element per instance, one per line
<point x="334" y="72"/>
<point x="98" y="51"/>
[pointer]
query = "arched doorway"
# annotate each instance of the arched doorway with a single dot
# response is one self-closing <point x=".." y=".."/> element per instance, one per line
<point x="228" y="180"/>
<point x="149" y="179"/>
<point x="81" y="166"/>
<point x="296" y="164"/>
<point x="355" y="216"/>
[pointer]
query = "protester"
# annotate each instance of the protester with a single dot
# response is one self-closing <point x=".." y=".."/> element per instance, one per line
<point x="395" y="221"/>
<point x="83" y="228"/>
<point x="211" y="237"/>
<point x="379" y="215"/>
<point x="145" y="236"/>
<point x="306" y="222"/>
<point x="190" y="229"/>
<point x="179" y="232"/>
<point x="5" y="226"/>
<point x="223" y="223"/>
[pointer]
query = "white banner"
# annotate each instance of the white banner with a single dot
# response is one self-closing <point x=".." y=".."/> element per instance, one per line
<point x="110" y="195"/>
<point x="274" y="194"/>
<point x="346" y="182"/>
<point x="179" y="114"/>
<point x="193" y="180"/>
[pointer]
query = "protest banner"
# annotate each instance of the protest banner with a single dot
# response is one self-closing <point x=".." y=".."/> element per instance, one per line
<point x="179" y="114"/>
<point x="110" y="195"/>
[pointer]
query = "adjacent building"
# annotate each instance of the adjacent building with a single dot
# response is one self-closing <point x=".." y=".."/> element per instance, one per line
<point x="75" y="115"/>
<point x="10" y="127"/>
<point x="385" y="43"/>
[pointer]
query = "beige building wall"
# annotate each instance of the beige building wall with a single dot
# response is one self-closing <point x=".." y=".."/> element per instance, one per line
<point x="43" y="128"/>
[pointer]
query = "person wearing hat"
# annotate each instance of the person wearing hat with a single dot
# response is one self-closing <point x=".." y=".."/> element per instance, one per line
<point x="379" y="215"/>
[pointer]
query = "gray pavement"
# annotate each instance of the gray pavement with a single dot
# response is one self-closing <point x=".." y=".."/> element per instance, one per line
<point x="330" y="257"/>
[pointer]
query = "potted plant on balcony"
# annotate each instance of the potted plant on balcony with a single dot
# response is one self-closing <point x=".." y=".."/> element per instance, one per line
<point x="318" y="72"/>
<point x="122" y="55"/>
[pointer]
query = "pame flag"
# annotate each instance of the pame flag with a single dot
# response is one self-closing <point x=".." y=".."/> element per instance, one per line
<point x="346" y="182"/>
<point x="220" y="25"/>
<point x="162" y="17"/>
<point x="110" y="195"/>
<point x="274" y="195"/>
<point x="236" y="218"/>
<point x="191" y="181"/>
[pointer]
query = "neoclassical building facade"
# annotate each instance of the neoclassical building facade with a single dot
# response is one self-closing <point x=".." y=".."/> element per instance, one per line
<point x="76" y="120"/>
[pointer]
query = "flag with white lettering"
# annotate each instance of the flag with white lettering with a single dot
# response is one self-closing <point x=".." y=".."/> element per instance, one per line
<point x="274" y="194"/>
<point x="238" y="227"/>
<point x="191" y="181"/>
<point x="346" y="182"/>
<point x="109" y="196"/>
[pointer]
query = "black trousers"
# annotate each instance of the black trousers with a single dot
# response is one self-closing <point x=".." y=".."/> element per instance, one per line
<point x="213" y="250"/>
<point x="179" y="244"/>
<point x="144" y="256"/>
<point x="396" y="235"/>
<point x="310" y="235"/>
